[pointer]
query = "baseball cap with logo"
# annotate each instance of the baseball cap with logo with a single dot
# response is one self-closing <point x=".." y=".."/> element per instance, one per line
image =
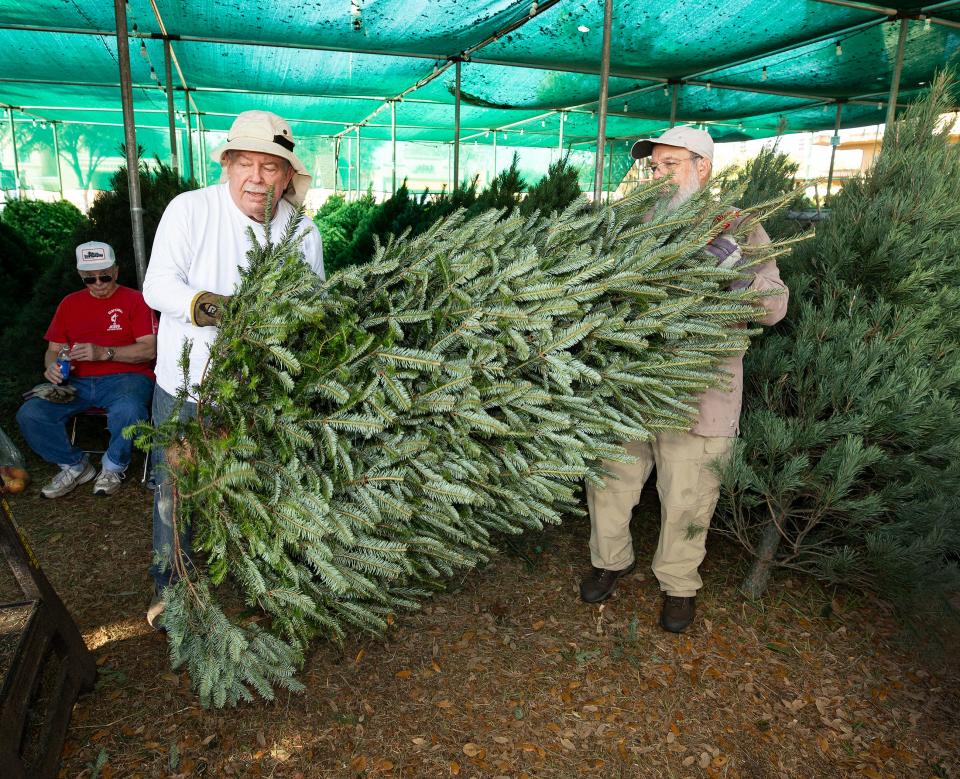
<point x="95" y="255"/>
<point x="697" y="141"/>
<point x="266" y="132"/>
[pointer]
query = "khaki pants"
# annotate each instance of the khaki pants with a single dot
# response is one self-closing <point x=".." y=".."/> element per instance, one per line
<point x="688" y="490"/>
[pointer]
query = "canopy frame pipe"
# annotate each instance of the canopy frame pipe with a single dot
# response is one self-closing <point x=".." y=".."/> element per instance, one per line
<point x="456" y="130"/>
<point x="56" y="154"/>
<point x="16" y="160"/>
<point x="604" y="87"/>
<point x="834" y="143"/>
<point x="358" y="163"/>
<point x="897" y="71"/>
<point x="130" y="139"/>
<point x="563" y="119"/>
<point x="673" y="103"/>
<point x="202" y="145"/>
<point x="393" y="144"/>
<point x="186" y="101"/>
<point x="495" y="152"/>
<point x="171" y="116"/>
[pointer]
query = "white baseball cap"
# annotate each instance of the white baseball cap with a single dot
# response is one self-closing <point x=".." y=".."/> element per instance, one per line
<point x="266" y="132"/>
<point x="697" y="141"/>
<point x="95" y="255"/>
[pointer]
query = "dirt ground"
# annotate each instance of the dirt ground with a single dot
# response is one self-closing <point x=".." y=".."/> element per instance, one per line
<point x="508" y="674"/>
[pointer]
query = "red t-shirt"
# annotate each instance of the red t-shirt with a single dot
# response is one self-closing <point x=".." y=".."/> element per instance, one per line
<point x="118" y="320"/>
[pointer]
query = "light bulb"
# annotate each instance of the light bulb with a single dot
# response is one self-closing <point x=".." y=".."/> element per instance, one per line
<point x="839" y="49"/>
<point x="625" y="108"/>
<point x="666" y="90"/>
<point x="709" y="86"/>
<point x="143" y="49"/>
<point x="533" y="9"/>
<point x="763" y="73"/>
<point x="543" y="123"/>
<point x="583" y="28"/>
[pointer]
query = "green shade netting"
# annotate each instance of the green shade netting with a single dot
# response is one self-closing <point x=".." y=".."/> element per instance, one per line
<point x="749" y="69"/>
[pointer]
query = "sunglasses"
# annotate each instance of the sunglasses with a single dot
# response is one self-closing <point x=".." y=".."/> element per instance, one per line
<point x="104" y="279"/>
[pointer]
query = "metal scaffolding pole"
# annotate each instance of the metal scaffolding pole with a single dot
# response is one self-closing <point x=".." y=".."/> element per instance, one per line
<point x="897" y="70"/>
<point x="130" y="139"/>
<point x="494" y="152"/>
<point x="358" y="162"/>
<point x="834" y="143"/>
<point x="202" y="146"/>
<point x="336" y="164"/>
<point x="16" y="161"/>
<point x="393" y="144"/>
<point x="604" y="87"/>
<point x="56" y="153"/>
<point x="673" y="105"/>
<point x="171" y="116"/>
<point x="186" y="100"/>
<point x="610" y="172"/>
<point x="563" y="118"/>
<point x="456" y="131"/>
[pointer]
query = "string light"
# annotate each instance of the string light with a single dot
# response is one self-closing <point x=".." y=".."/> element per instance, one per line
<point x="583" y="28"/>
<point x="666" y="89"/>
<point x="504" y="136"/>
<point x="543" y="123"/>
<point x="839" y="49"/>
<point x="763" y="73"/>
<point x="143" y="50"/>
<point x="709" y="86"/>
<point x="533" y="9"/>
<point x="879" y="106"/>
<point x="625" y="108"/>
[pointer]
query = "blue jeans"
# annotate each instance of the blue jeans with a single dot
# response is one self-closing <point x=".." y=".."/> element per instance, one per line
<point x="124" y="396"/>
<point x="161" y="570"/>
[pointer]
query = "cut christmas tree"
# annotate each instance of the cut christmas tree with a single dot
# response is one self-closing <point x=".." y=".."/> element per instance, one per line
<point x="361" y="439"/>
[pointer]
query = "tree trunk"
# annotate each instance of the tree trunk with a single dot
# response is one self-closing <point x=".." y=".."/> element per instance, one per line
<point x="755" y="585"/>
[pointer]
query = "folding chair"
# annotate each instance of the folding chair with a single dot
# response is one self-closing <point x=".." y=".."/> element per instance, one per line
<point x="96" y="411"/>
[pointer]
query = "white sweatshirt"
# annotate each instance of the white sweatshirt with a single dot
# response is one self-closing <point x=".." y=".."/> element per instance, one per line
<point x="201" y="244"/>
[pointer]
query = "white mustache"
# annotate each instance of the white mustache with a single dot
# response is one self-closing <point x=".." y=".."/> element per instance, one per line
<point x="253" y="189"/>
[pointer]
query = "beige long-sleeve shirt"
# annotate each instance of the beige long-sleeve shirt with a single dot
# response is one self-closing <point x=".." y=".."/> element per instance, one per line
<point x="720" y="407"/>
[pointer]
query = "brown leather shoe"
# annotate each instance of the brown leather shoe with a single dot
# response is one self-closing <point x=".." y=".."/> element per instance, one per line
<point x="677" y="613"/>
<point x="600" y="583"/>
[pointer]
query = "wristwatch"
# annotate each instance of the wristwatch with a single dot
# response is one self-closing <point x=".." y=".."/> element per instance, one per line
<point x="110" y="352"/>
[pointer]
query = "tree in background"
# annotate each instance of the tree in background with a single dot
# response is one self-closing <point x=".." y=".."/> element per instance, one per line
<point x="351" y="230"/>
<point x="109" y="217"/>
<point x="47" y="228"/>
<point x="848" y="466"/>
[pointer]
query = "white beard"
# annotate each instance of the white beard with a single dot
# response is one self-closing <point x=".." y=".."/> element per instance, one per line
<point x="685" y="190"/>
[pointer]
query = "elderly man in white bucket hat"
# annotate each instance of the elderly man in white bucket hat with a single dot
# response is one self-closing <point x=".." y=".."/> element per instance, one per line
<point x="199" y="250"/>
<point x="687" y="486"/>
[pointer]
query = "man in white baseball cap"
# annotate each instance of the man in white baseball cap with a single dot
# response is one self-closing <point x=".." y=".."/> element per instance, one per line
<point x="100" y="349"/>
<point x="688" y="487"/>
<point x="200" y="248"/>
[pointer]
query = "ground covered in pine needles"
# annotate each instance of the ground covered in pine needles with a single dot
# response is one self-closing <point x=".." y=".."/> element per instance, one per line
<point x="508" y="674"/>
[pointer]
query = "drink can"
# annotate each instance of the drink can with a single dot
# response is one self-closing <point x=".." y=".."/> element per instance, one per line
<point x="63" y="363"/>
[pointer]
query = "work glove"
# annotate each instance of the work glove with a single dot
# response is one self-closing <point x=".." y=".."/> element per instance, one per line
<point x="207" y="308"/>
<point x="727" y="252"/>
<point x="55" y="393"/>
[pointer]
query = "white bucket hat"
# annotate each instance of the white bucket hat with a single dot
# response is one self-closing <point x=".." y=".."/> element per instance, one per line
<point x="95" y="255"/>
<point x="266" y="132"/>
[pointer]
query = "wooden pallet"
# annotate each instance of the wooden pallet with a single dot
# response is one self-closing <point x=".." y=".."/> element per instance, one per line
<point x="50" y="665"/>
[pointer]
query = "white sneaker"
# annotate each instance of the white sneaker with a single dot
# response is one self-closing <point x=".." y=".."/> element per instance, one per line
<point x="108" y="482"/>
<point x="69" y="479"/>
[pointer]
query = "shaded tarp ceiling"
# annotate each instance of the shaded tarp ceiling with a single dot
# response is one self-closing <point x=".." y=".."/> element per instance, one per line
<point x="743" y="68"/>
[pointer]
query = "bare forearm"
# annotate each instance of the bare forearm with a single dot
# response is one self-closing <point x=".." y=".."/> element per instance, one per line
<point x="132" y="353"/>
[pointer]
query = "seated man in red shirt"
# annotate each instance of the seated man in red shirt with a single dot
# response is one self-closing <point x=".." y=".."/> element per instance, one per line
<point x="108" y="334"/>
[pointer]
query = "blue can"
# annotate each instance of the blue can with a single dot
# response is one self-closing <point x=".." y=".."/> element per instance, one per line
<point x="63" y="363"/>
